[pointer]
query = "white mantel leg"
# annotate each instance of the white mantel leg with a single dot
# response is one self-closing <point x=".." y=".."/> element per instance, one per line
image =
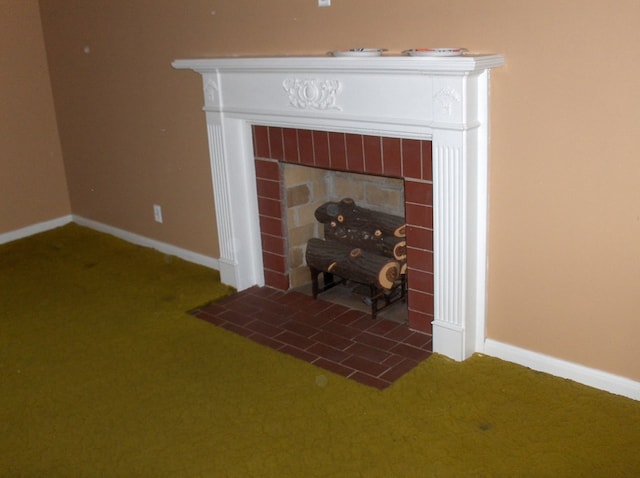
<point x="459" y="252"/>
<point x="234" y="180"/>
<point x="448" y="243"/>
<point x="460" y="160"/>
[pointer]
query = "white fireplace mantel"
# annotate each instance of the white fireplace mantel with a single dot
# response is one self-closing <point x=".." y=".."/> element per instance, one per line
<point x="442" y="99"/>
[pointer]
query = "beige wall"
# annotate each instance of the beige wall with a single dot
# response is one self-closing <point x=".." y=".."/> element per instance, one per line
<point x="32" y="182"/>
<point x="565" y="200"/>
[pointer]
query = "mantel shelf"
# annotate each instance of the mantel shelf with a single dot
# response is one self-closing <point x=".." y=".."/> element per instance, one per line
<point x="385" y="63"/>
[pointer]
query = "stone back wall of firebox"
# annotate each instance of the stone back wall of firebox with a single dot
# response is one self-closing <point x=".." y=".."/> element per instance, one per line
<point x="407" y="159"/>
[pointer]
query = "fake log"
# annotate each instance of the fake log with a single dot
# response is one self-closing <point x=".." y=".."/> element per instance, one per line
<point x="386" y="245"/>
<point x="348" y="213"/>
<point x="352" y="263"/>
<point x="324" y="255"/>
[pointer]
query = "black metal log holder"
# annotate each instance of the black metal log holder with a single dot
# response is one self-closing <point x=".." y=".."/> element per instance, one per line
<point x="376" y="294"/>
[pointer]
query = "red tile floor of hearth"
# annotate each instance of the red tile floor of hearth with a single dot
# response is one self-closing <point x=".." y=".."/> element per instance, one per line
<point x="341" y="339"/>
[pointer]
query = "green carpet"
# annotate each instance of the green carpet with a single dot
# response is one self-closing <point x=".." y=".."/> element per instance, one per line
<point x="103" y="373"/>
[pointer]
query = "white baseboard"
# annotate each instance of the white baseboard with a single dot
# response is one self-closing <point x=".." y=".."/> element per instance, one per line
<point x="561" y="368"/>
<point x="163" y="247"/>
<point x="35" y="229"/>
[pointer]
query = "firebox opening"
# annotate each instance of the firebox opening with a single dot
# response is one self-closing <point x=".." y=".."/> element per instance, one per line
<point x="305" y="189"/>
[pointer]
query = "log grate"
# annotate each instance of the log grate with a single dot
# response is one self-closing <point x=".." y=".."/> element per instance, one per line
<point x="376" y="296"/>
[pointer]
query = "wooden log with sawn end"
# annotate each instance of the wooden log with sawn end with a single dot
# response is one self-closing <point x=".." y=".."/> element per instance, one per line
<point x="383" y="244"/>
<point x="353" y="264"/>
<point x="346" y="212"/>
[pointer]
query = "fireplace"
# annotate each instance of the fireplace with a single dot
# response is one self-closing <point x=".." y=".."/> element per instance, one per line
<point x="400" y="104"/>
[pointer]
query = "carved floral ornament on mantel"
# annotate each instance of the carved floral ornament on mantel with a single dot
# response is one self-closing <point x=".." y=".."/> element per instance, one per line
<point x="210" y="91"/>
<point x="312" y="94"/>
<point x="445" y="99"/>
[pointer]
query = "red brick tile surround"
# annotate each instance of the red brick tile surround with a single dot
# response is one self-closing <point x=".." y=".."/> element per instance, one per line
<point x="408" y="159"/>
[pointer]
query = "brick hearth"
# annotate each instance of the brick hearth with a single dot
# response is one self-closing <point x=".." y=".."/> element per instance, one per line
<point x="342" y="340"/>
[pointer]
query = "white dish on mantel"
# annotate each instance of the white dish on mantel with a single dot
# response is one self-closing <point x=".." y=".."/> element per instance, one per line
<point x="436" y="51"/>
<point x="359" y="52"/>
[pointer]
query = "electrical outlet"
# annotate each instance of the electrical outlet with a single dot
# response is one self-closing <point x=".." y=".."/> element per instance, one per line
<point x="324" y="3"/>
<point x="157" y="213"/>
